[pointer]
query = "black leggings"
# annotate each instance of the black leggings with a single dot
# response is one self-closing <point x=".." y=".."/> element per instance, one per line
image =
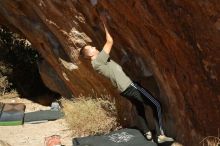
<point x="139" y="96"/>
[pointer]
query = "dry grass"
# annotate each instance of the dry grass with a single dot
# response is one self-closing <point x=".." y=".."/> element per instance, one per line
<point x="211" y="141"/>
<point x="88" y="116"/>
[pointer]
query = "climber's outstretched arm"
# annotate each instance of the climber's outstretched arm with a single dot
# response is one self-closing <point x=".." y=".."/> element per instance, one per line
<point x="109" y="41"/>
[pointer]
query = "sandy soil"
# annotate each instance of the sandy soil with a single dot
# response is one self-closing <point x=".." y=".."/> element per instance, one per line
<point x="33" y="134"/>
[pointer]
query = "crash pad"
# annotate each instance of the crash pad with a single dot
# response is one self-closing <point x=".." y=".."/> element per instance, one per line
<point x="42" y="115"/>
<point x="123" y="137"/>
<point x="12" y="114"/>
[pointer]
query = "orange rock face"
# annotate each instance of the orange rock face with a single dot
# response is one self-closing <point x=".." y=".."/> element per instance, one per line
<point x="177" y="40"/>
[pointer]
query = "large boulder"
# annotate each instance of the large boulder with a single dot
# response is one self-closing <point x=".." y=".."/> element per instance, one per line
<point x="176" y="40"/>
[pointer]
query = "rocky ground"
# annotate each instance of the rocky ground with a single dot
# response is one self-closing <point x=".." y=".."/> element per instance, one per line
<point x="33" y="134"/>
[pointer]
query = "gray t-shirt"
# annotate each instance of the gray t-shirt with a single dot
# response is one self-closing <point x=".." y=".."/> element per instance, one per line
<point x="110" y="69"/>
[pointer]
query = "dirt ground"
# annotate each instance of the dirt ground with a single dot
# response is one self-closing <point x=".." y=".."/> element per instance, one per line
<point x="33" y="134"/>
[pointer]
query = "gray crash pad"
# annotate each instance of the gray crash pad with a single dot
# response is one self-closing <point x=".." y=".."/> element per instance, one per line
<point x="12" y="114"/>
<point x="43" y="115"/>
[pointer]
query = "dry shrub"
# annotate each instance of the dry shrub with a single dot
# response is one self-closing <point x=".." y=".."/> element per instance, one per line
<point x="5" y="85"/>
<point x="211" y="141"/>
<point x="88" y="116"/>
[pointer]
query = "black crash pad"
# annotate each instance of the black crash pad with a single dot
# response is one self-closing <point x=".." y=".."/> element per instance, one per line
<point x="123" y="137"/>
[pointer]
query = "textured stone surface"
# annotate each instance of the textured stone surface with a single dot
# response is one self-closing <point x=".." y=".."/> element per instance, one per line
<point x="177" y="40"/>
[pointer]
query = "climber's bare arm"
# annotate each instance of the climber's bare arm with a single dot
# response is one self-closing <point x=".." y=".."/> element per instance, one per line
<point x="109" y="41"/>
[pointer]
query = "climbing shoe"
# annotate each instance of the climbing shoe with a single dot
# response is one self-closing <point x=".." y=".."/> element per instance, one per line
<point x="148" y="136"/>
<point x="163" y="138"/>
